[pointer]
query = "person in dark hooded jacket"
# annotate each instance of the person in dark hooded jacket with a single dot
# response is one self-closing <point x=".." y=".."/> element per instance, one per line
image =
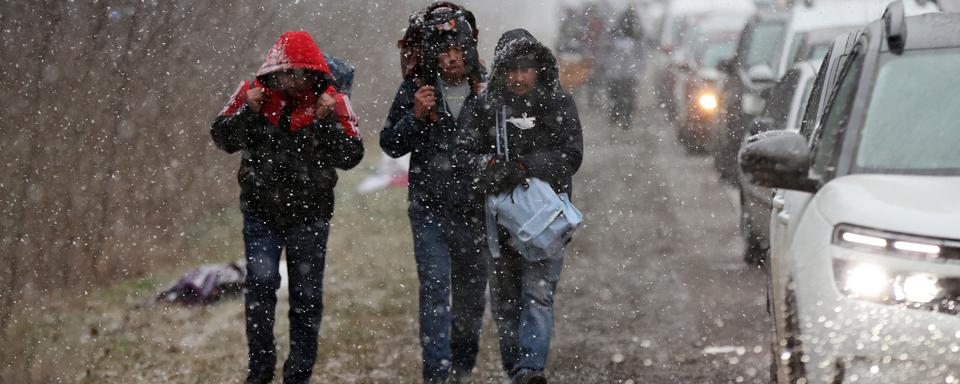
<point x="544" y="141"/>
<point x="293" y="128"/>
<point x="445" y="216"/>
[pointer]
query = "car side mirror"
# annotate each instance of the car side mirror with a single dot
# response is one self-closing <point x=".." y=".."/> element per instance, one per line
<point x="777" y="159"/>
<point x="761" y="73"/>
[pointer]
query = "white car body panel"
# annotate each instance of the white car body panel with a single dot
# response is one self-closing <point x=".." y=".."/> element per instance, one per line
<point x="837" y="14"/>
<point x="894" y="343"/>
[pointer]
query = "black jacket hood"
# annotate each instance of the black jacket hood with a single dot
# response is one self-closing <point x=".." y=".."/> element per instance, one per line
<point x="519" y="44"/>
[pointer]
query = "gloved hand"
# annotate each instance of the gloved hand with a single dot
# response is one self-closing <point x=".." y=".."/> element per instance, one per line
<point x="503" y="175"/>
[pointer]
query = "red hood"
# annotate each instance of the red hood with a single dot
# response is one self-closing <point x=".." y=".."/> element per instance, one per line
<point x="294" y="50"/>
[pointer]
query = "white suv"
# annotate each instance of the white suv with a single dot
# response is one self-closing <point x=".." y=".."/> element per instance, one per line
<point x="865" y="227"/>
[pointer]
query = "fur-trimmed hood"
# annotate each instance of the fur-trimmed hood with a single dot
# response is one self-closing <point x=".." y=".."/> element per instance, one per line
<point x="513" y="45"/>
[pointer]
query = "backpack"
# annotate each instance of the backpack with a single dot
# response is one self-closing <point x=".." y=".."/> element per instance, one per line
<point x="342" y="73"/>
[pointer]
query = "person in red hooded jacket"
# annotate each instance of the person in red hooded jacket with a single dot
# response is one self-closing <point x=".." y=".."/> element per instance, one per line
<point x="293" y="128"/>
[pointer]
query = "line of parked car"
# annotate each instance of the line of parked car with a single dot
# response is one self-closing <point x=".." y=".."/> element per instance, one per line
<point x="838" y="127"/>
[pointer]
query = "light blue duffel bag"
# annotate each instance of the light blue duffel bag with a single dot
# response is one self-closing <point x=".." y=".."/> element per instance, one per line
<point x="540" y="221"/>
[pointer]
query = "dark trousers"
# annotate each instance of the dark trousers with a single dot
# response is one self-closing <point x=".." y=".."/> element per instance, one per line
<point x="306" y="251"/>
<point x="451" y="267"/>
<point x="521" y="299"/>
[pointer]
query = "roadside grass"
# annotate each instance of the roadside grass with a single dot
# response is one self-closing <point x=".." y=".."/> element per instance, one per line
<point x="368" y="332"/>
<point x="110" y="336"/>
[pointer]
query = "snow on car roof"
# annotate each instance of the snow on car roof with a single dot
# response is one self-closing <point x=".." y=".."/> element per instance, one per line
<point x="698" y="6"/>
<point x="829" y="14"/>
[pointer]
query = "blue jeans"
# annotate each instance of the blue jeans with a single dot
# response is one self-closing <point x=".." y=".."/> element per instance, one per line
<point x="451" y="266"/>
<point x="306" y="252"/>
<point x="521" y="298"/>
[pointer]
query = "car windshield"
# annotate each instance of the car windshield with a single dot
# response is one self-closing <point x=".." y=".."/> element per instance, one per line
<point x="763" y="44"/>
<point x="717" y="51"/>
<point x="911" y="123"/>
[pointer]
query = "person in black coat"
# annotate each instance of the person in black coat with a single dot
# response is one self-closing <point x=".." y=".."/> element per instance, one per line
<point x="293" y="128"/>
<point x="445" y="216"/>
<point x="544" y="140"/>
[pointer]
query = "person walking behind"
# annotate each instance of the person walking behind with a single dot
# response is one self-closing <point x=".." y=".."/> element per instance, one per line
<point x="445" y="215"/>
<point x="293" y="128"/>
<point x="624" y="60"/>
<point x="544" y="141"/>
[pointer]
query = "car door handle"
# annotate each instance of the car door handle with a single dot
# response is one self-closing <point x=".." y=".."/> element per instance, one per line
<point x="777" y="202"/>
<point x="783" y="217"/>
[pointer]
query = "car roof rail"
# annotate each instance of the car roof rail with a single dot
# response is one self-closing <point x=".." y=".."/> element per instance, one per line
<point x="895" y="27"/>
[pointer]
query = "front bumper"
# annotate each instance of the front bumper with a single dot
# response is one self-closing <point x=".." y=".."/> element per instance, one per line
<point x="841" y="334"/>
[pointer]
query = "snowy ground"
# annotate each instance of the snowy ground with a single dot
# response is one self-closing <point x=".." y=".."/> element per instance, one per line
<point x="654" y="290"/>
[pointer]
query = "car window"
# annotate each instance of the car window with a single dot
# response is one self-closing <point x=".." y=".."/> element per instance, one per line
<point x="816" y="52"/>
<point x="911" y="121"/>
<point x="802" y="106"/>
<point x="825" y="140"/>
<point x="809" y="120"/>
<point x="675" y="29"/>
<point x="795" y="45"/>
<point x="715" y="52"/>
<point x="762" y="47"/>
<point x="781" y="98"/>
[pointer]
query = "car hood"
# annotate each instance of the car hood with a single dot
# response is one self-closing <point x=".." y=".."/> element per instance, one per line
<point x="710" y="74"/>
<point x="919" y="205"/>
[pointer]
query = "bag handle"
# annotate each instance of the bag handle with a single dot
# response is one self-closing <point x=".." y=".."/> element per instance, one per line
<point x="504" y="147"/>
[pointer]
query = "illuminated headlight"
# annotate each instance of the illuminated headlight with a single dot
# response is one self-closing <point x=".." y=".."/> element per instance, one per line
<point x="895" y="243"/>
<point x="708" y="102"/>
<point x="919" y="288"/>
<point x="873" y="280"/>
<point x="867" y="281"/>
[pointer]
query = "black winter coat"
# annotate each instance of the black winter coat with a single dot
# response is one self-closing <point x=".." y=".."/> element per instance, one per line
<point x="435" y="183"/>
<point x="552" y="149"/>
<point x="286" y="178"/>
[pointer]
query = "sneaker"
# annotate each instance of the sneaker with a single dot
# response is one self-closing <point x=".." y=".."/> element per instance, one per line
<point x="530" y="377"/>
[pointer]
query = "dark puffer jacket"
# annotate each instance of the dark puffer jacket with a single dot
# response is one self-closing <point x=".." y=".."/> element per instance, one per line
<point x="434" y="181"/>
<point x="552" y="148"/>
<point x="287" y="170"/>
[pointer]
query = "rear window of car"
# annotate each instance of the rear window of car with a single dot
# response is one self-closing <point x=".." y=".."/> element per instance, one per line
<point x="911" y="122"/>
<point x="762" y="47"/>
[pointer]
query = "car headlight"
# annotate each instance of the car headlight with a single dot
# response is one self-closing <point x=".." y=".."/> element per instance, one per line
<point x="873" y="240"/>
<point x="708" y="102"/>
<point x="874" y="282"/>
<point x="866" y="280"/>
<point x="918" y="288"/>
